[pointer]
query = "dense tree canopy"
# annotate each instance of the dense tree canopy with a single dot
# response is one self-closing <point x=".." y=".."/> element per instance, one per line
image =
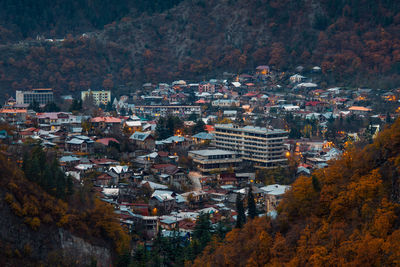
<point x="346" y="214"/>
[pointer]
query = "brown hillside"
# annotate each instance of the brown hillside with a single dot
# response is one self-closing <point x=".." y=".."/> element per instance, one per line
<point x="355" y="42"/>
<point x="346" y="215"/>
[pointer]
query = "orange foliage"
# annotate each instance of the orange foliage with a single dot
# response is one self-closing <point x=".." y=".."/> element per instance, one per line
<point x="352" y="221"/>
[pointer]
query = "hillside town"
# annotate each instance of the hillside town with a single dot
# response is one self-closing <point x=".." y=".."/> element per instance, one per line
<point x="166" y="153"/>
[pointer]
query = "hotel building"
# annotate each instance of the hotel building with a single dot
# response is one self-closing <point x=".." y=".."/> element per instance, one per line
<point x="41" y="95"/>
<point x="264" y="147"/>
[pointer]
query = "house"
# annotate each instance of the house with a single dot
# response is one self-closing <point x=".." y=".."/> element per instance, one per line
<point x="207" y="87"/>
<point x="122" y="172"/>
<point x="273" y="195"/>
<point x="144" y="141"/>
<point x="133" y="125"/>
<point x="316" y="106"/>
<point x="263" y="70"/>
<point x="79" y="143"/>
<point x="13" y="115"/>
<point x="163" y="201"/>
<point x="202" y="137"/>
<point x="146" y="224"/>
<point x="358" y="110"/>
<point x="296" y="78"/>
<point x="228" y="179"/>
<point x="103" y="180"/>
<point x="107" y="141"/>
<point x="106" y="122"/>
<point x="230" y="113"/>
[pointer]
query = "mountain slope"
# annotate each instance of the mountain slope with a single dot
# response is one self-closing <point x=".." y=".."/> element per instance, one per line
<point x="36" y="228"/>
<point x="355" y="42"/>
<point x="346" y="214"/>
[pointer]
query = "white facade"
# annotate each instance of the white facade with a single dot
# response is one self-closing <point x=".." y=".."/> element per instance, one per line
<point x="263" y="147"/>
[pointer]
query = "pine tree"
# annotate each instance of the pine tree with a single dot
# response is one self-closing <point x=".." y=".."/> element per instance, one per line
<point x="251" y="204"/>
<point x="241" y="216"/>
<point x="315" y="183"/>
<point x="202" y="230"/>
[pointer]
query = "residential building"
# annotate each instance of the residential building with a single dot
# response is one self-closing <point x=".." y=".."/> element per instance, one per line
<point x="157" y="110"/>
<point x="40" y="95"/>
<point x="103" y="97"/>
<point x="143" y="140"/>
<point x="273" y="195"/>
<point x="264" y="147"/>
<point x="215" y="160"/>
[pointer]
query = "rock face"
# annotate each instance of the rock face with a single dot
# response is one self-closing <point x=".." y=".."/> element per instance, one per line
<point x="20" y="245"/>
<point x="83" y="251"/>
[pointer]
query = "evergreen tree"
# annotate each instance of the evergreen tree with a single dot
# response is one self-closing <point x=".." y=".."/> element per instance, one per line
<point x="241" y="216"/>
<point x="51" y="107"/>
<point x="161" y="131"/>
<point x="315" y="183"/>
<point x="251" y="204"/>
<point x="76" y="105"/>
<point x="202" y="230"/>
<point x="198" y="127"/>
<point x="34" y="106"/>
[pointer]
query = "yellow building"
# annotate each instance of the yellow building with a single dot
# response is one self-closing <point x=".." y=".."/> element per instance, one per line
<point x="103" y="97"/>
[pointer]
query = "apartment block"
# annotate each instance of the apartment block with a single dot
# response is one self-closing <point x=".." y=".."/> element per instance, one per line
<point x="156" y="110"/>
<point x="264" y="147"/>
<point x="103" y="97"/>
<point x="214" y="160"/>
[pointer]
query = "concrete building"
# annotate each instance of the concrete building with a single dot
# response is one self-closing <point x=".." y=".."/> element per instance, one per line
<point x="103" y="97"/>
<point x="40" y="95"/>
<point x="215" y="160"/>
<point x="264" y="147"/>
<point x="157" y="110"/>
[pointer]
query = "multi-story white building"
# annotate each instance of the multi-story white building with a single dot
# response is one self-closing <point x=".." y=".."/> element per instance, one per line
<point x="98" y="96"/>
<point x="264" y="147"/>
<point x="40" y="95"/>
<point x="215" y="160"/>
<point x="176" y="110"/>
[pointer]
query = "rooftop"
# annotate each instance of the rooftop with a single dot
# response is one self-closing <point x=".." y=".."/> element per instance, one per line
<point x="250" y="128"/>
<point x="212" y="152"/>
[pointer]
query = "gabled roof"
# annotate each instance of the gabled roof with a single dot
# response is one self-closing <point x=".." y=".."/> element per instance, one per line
<point x="137" y="123"/>
<point x="204" y="136"/>
<point x="106" y="119"/>
<point x="139" y="136"/>
<point x="119" y="169"/>
<point x="106" y="141"/>
<point x="275" y="189"/>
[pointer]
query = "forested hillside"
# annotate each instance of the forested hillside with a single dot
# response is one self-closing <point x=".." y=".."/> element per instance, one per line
<point x="355" y="42"/>
<point x="28" y="18"/>
<point x="344" y="215"/>
<point x="43" y="220"/>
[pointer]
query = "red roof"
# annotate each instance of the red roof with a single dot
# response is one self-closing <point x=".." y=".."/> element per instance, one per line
<point x="106" y="119"/>
<point x="104" y="176"/>
<point x="209" y="128"/>
<point x="163" y="154"/>
<point x="251" y="94"/>
<point x="314" y="103"/>
<point x="106" y="141"/>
